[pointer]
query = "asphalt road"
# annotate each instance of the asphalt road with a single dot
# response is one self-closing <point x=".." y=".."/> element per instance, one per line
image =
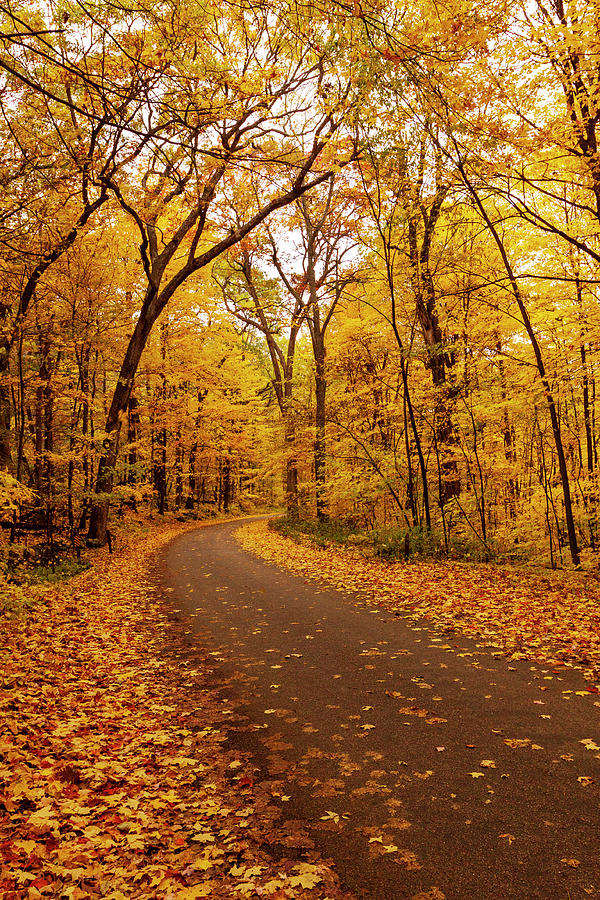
<point x="388" y="736"/>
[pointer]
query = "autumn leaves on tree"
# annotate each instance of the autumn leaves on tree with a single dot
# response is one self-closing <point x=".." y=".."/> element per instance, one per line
<point x="341" y="257"/>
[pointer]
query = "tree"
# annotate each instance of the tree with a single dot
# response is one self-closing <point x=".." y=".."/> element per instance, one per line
<point x="326" y="246"/>
<point x="381" y="177"/>
<point x="256" y="301"/>
<point x="72" y="110"/>
<point x="258" y="91"/>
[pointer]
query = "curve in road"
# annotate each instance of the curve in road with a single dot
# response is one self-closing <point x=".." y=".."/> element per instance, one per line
<point x="422" y="764"/>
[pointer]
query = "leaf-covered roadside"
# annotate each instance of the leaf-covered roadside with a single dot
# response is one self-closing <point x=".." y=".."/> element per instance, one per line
<point x="553" y="618"/>
<point x="114" y="778"/>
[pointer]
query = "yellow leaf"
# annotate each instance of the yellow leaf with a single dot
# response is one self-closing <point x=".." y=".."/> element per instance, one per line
<point x="199" y="890"/>
<point x="306" y="881"/>
<point x="43" y="818"/>
<point x="433" y="894"/>
<point x="330" y="815"/>
<point x="135" y="842"/>
<point x="27" y="846"/>
<point x="203" y="864"/>
<point x="204" y="837"/>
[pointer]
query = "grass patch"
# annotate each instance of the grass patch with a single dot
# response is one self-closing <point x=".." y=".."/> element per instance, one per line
<point x="394" y="543"/>
<point x="321" y="534"/>
<point x="66" y="568"/>
<point x="388" y="542"/>
<point x="15" y="600"/>
<point x="22" y="589"/>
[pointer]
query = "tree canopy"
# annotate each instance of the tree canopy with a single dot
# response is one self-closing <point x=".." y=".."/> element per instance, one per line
<point x="343" y="257"/>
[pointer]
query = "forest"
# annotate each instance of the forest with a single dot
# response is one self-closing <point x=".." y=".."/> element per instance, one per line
<point x="340" y="258"/>
<point x="299" y="449"/>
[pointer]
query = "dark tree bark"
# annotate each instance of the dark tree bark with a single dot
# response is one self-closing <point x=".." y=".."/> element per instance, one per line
<point x="133" y="427"/>
<point x="422" y="221"/>
<point x="508" y="439"/>
<point x="320" y="418"/>
<point x="226" y="484"/>
<point x="178" y="472"/>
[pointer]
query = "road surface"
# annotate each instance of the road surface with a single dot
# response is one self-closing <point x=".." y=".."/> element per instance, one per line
<point x="417" y="760"/>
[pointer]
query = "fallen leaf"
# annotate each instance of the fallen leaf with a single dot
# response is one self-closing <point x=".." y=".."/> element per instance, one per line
<point x="433" y="894"/>
<point x="330" y="816"/>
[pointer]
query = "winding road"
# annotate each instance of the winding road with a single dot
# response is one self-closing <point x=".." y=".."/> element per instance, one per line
<point x="420" y="763"/>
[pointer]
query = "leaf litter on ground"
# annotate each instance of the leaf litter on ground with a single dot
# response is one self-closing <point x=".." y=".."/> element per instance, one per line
<point x="114" y="776"/>
<point x="552" y="618"/>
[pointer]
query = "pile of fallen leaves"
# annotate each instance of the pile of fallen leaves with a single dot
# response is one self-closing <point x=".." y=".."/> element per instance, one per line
<point x="115" y="780"/>
<point x="552" y="618"/>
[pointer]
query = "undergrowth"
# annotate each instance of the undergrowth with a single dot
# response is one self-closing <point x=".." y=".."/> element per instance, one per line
<point x="388" y="542"/>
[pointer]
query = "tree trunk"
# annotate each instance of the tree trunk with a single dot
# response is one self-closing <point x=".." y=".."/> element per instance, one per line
<point x="179" y="472"/>
<point x="421" y="229"/>
<point x="226" y="484"/>
<point x="410" y="486"/>
<point x="42" y="424"/>
<point x="415" y="431"/>
<point x="291" y="467"/>
<point x="133" y="425"/>
<point x="160" y="471"/>
<point x="110" y="447"/>
<point x="320" y="446"/>
<point x="587" y="420"/>
<point x="22" y="413"/>
<point x="5" y="408"/>
<point x="192" y="498"/>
